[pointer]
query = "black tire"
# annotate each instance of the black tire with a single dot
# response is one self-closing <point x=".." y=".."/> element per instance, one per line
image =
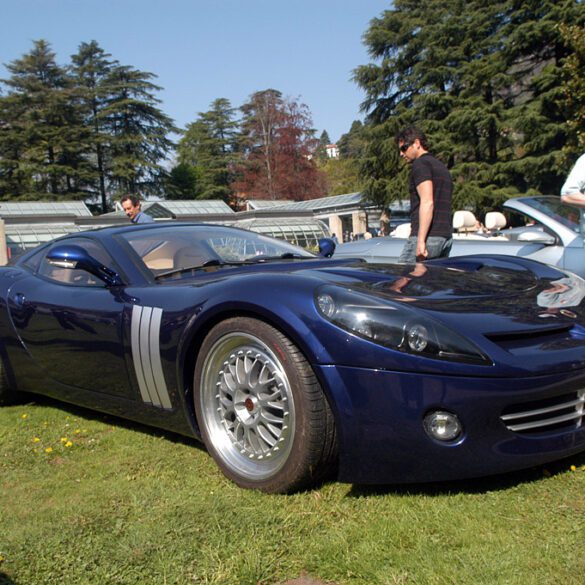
<point x="262" y="413"/>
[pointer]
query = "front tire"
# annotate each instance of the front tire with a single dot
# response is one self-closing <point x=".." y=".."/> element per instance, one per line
<point x="262" y="413"/>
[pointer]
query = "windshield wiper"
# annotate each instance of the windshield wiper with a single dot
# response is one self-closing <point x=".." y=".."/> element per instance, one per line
<point x="285" y="256"/>
<point x="261" y="258"/>
<point x="207" y="264"/>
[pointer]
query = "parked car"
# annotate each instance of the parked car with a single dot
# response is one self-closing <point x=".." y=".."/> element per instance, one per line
<point x="293" y="367"/>
<point x="541" y="228"/>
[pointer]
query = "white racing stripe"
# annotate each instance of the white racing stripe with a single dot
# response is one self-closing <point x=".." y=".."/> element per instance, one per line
<point x="145" y="340"/>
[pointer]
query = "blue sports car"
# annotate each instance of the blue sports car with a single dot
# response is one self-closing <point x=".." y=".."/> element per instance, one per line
<point x="293" y="367"/>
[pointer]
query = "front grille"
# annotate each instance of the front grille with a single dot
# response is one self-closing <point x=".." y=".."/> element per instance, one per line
<point x="564" y="412"/>
<point x="519" y="343"/>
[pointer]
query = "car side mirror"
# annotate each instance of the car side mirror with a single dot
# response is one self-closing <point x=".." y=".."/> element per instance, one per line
<point x="326" y="247"/>
<point x="536" y="237"/>
<point x="76" y="258"/>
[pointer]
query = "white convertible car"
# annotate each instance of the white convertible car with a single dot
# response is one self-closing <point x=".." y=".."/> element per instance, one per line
<point x="541" y="228"/>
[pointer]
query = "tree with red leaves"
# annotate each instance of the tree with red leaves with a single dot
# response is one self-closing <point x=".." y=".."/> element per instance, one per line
<point x="278" y="143"/>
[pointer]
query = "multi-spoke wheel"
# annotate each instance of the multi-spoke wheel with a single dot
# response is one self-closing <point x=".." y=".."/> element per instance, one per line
<point x="262" y="413"/>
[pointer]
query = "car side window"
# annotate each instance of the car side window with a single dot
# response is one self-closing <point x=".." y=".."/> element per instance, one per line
<point x="73" y="276"/>
<point x="33" y="262"/>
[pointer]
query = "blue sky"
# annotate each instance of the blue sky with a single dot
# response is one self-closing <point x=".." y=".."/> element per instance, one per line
<point x="205" y="49"/>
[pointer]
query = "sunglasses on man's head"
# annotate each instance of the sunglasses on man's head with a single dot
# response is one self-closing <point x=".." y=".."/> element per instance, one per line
<point x="404" y="147"/>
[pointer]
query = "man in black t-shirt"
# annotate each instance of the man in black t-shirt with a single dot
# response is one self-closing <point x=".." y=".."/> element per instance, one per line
<point x="430" y="188"/>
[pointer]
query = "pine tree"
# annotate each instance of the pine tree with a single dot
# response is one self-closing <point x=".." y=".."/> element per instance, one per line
<point x="41" y="132"/>
<point x="15" y="183"/>
<point x="138" y="132"/>
<point x="184" y="182"/>
<point x="352" y="143"/>
<point x="573" y="90"/>
<point x="321" y="151"/>
<point x="483" y="80"/>
<point x="209" y="145"/>
<point x="91" y="70"/>
<point x="80" y="131"/>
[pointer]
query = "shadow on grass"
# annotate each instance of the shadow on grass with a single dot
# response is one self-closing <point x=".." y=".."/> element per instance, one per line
<point x="6" y="580"/>
<point x="469" y="486"/>
<point x="118" y="421"/>
<point x="480" y="485"/>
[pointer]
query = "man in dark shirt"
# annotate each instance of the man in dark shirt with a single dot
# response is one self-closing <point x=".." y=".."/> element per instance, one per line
<point x="430" y="188"/>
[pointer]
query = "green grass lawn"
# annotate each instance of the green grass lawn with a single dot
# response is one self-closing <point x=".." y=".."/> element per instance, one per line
<point x="86" y="499"/>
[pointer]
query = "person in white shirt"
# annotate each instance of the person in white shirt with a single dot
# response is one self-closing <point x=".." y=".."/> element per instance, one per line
<point x="573" y="191"/>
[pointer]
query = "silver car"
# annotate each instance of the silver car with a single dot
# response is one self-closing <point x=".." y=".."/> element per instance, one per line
<point x="541" y="228"/>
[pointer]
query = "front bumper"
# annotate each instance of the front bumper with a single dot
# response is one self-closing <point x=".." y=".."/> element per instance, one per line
<point x="379" y="416"/>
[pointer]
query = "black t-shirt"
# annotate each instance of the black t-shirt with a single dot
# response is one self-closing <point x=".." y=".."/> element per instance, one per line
<point x="428" y="168"/>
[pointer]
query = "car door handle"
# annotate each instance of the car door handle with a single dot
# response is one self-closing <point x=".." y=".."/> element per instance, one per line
<point x="20" y="300"/>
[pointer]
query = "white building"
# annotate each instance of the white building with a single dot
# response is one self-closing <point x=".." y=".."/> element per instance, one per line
<point x="332" y="151"/>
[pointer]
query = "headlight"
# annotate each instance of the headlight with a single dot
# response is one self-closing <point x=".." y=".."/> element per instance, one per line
<point x="395" y="325"/>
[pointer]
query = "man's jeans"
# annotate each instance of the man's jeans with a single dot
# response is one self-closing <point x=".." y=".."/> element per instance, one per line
<point x="436" y="247"/>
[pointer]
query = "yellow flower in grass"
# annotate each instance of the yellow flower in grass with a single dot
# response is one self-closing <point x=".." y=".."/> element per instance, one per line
<point x="573" y="468"/>
<point x="64" y="439"/>
<point x="49" y="450"/>
<point x="68" y="444"/>
<point x="36" y="440"/>
<point x="77" y="431"/>
<point x="24" y="416"/>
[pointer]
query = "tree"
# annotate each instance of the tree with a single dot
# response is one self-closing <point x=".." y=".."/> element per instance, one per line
<point x="183" y="182"/>
<point x="263" y="115"/>
<point x="91" y="70"/>
<point x="573" y="89"/>
<point x="138" y="132"/>
<point x="41" y="132"/>
<point x="343" y="173"/>
<point x="321" y="150"/>
<point x="14" y="183"/>
<point x="210" y="146"/>
<point x="482" y="79"/>
<point x="278" y="145"/>
<point x="80" y="131"/>
<point x="352" y="143"/>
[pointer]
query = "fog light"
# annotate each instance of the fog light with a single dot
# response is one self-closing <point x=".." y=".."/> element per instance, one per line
<point x="442" y="426"/>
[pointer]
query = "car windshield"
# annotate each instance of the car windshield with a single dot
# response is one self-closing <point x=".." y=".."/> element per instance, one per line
<point x="176" y="248"/>
<point x="568" y="215"/>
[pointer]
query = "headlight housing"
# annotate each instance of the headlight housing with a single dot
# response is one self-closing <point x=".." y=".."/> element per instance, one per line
<point x="395" y="325"/>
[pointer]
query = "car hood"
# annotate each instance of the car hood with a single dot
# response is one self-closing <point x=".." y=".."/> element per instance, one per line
<point x="426" y="285"/>
<point x="467" y="285"/>
<point x="510" y="307"/>
<point x="518" y="294"/>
